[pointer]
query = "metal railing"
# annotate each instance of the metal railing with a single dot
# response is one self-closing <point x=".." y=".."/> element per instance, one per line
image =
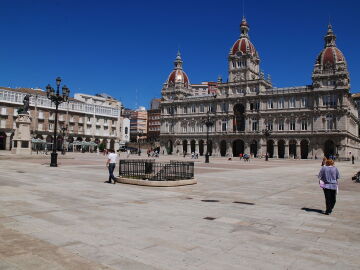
<point x="148" y="169"/>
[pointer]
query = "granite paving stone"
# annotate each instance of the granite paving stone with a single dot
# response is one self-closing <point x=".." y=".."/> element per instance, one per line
<point x="67" y="218"/>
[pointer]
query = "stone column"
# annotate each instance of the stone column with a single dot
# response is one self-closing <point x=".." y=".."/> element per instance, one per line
<point x="7" y="143"/>
<point x="287" y="150"/>
<point x="205" y="147"/>
<point x="229" y="149"/>
<point x="298" y="150"/>
<point x="216" y="151"/>
<point x="108" y="144"/>
<point x="196" y="146"/>
<point x="246" y="148"/>
<point x="276" y="152"/>
<point x="263" y="146"/>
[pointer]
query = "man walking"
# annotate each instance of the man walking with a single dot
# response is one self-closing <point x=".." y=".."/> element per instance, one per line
<point x="111" y="163"/>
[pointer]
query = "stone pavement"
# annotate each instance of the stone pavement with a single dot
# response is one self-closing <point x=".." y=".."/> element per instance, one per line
<point x="257" y="215"/>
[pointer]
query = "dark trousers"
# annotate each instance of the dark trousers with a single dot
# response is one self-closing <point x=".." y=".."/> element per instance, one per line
<point x="330" y="198"/>
<point x="111" y="171"/>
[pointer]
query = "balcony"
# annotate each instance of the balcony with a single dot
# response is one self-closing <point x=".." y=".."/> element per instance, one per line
<point x="41" y="116"/>
<point x="71" y="120"/>
<point x="105" y="124"/>
<point x="81" y="120"/>
<point x="61" y="118"/>
<point x="52" y="118"/>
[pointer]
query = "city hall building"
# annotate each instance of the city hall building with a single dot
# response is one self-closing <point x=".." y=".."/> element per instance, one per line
<point x="247" y="115"/>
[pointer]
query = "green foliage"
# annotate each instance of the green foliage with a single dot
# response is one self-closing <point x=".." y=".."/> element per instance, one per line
<point x="102" y="146"/>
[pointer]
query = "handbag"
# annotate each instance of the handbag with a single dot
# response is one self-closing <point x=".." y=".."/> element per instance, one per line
<point x="321" y="183"/>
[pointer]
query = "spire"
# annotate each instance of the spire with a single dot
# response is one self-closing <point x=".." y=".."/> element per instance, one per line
<point x="244" y="28"/>
<point x="330" y="37"/>
<point x="178" y="61"/>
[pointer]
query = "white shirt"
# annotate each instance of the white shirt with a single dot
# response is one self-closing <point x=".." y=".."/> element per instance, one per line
<point x="112" y="157"/>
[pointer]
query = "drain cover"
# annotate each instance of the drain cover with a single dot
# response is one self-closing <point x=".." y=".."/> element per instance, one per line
<point x="209" y="218"/>
<point x="248" y="203"/>
<point x="20" y="171"/>
<point x="209" y="200"/>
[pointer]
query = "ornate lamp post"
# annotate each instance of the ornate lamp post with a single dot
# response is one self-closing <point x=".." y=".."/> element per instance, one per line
<point x="63" y="129"/>
<point x="57" y="99"/>
<point x="267" y="134"/>
<point x="208" y="122"/>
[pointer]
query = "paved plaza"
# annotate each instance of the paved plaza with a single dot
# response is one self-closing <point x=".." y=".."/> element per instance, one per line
<point x="257" y="215"/>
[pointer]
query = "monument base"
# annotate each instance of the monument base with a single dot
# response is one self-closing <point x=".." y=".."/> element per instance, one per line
<point x="21" y="144"/>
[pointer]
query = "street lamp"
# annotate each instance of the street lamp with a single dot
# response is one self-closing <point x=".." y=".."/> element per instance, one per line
<point x="57" y="99"/>
<point x="267" y="134"/>
<point x="208" y="122"/>
<point x="63" y="129"/>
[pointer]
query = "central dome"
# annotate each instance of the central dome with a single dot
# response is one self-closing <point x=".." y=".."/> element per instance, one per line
<point x="178" y="76"/>
<point x="243" y="45"/>
<point x="330" y="56"/>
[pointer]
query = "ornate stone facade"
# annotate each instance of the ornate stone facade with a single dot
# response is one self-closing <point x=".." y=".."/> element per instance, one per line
<point x="304" y="122"/>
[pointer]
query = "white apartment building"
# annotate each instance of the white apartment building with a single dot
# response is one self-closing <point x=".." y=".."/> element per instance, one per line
<point x="85" y="117"/>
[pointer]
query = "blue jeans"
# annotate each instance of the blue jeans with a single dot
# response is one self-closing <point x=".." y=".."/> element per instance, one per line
<point x="111" y="171"/>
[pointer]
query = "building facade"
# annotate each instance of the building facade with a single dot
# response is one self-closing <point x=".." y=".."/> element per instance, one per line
<point x="204" y="88"/>
<point x="153" y="123"/>
<point x="247" y="115"/>
<point x="138" y="124"/>
<point x="88" y="118"/>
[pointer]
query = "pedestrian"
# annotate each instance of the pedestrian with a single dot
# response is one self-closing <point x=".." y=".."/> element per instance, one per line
<point x="111" y="163"/>
<point x="353" y="159"/>
<point x="328" y="180"/>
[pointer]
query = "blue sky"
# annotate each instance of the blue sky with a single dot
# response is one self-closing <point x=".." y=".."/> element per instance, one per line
<point x="127" y="49"/>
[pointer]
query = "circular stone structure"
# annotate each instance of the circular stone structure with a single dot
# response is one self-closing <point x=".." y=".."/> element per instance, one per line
<point x="151" y="183"/>
<point x="147" y="172"/>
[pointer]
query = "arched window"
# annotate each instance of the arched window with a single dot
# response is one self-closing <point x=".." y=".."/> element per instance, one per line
<point x="224" y="125"/>
<point x="330" y="122"/>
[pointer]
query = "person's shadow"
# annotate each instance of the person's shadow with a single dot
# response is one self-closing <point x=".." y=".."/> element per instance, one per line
<point x="312" y="210"/>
